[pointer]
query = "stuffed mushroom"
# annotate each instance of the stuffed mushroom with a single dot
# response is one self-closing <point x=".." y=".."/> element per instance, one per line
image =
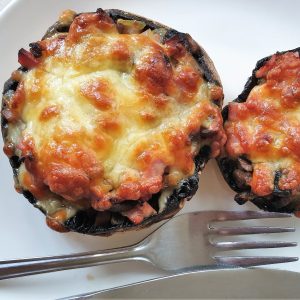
<point x="109" y="120"/>
<point x="261" y="158"/>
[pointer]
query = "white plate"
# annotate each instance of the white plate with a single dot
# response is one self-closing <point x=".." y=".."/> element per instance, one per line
<point x="235" y="34"/>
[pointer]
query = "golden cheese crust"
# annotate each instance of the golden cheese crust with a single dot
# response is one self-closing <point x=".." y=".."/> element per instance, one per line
<point x="266" y="129"/>
<point x="108" y="112"/>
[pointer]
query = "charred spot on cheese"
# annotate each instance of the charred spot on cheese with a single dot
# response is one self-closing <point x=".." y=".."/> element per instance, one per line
<point x="109" y="120"/>
<point x="261" y="157"/>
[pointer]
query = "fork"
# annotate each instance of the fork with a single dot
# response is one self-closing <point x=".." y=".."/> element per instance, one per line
<point x="184" y="242"/>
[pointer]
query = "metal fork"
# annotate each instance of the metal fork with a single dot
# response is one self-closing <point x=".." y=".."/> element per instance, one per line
<point x="181" y="243"/>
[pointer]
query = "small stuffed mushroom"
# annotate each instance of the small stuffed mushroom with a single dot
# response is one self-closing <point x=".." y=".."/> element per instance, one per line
<point x="109" y="120"/>
<point x="261" y="158"/>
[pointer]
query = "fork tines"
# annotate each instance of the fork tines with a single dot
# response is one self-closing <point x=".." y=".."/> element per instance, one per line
<point x="246" y="261"/>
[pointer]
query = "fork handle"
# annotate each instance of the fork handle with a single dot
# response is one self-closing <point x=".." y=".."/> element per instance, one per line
<point x="31" y="266"/>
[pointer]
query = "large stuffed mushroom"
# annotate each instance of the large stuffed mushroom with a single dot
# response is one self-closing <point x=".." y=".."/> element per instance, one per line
<point x="261" y="159"/>
<point x="109" y="120"/>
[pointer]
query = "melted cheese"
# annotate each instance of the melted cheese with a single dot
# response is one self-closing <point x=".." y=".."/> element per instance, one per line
<point x="266" y="126"/>
<point x="109" y="116"/>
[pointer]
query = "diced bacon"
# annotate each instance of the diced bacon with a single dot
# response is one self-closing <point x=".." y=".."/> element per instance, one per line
<point x="139" y="213"/>
<point x="175" y="48"/>
<point x="27" y="60"/>
<point x="53" y="45"/>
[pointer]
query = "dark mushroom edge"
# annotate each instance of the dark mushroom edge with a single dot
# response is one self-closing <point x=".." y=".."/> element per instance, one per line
<point x="106" y="223"/>
<point x="238" y="171"/>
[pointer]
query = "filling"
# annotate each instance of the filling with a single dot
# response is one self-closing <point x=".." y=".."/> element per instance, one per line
<point x="108" y="115"/>
<point x="265" y="129"/>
